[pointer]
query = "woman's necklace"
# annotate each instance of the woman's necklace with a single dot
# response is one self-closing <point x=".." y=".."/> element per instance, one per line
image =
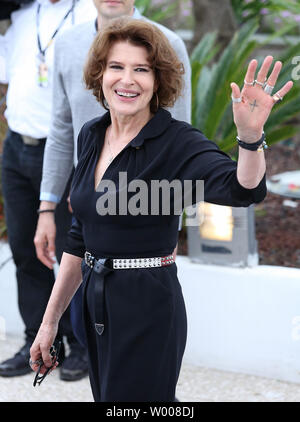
<point x="111" y="154"/>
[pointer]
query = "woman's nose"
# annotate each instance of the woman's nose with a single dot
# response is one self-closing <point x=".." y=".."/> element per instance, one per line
<point x="128" y="77"/>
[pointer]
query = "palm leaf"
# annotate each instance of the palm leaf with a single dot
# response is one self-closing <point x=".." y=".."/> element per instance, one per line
<point x="201" y="93"/>
<point x="215" y="90"/>
<point x="205" y="49"/>
<point x="281" y="134"/>
<point x="285" y="112"/>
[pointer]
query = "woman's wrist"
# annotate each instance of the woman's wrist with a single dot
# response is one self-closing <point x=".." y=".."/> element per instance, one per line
<point x="259" y="145"/>
<point x="250" y="137"/>
<point x="52" y="315"/>
<point x="50" y="323"/>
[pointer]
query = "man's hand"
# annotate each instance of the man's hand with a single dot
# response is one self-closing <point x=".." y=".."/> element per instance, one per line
<point x="44" y="238"/>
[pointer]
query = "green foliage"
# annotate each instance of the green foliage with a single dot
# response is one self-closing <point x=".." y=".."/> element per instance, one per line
<point x="212" y="107"/>
<point x="246" y="10"/>
<point x="274" y="12"/>
<point x="157" y="11"/>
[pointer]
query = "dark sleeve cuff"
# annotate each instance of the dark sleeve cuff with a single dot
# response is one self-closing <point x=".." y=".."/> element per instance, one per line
<point x="75" y="243"/>
<point x="74" y="246"/>
<point x="249" y="196"/>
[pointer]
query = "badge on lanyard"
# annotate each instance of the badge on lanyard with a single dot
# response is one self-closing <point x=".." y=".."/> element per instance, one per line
<point x="43" y="73"/>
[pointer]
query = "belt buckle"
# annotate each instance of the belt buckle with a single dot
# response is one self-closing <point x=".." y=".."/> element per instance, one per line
<point x="89" y="259"/>
<point x="28" y="140"/>
<point x="102" y="265"/>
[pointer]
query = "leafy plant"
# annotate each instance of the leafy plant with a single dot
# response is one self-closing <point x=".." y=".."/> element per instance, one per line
<point x="157" y="10"/>
<point x="273" y="12"/>
<point x="212" y="108"/>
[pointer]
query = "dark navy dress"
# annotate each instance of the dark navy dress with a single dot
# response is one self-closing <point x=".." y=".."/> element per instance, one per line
<point x="138" y="356"/>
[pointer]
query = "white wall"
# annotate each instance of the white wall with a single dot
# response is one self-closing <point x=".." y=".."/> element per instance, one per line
<point x="10" y="319"/>
<point x="245" y="320"/>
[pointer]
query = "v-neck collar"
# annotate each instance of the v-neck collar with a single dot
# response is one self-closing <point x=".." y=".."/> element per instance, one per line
<point x="154" y="128"/>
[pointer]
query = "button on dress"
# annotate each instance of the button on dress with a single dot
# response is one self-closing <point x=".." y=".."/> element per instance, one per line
<point x="139" y="353"/>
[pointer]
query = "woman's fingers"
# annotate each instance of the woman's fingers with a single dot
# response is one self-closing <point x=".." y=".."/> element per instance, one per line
<point x="250" y="75"/>
<point x="284" y="90"/>
<point x="262" y="75"/>
<point x="47" y="358"/>
<point x="40" y="350"/>
<point x="275" y="73"/>
<point x="35" y="365"/>
<point x="35" y="357"/>
<point x="264" y="70"/>
<point x="236" y="93"/>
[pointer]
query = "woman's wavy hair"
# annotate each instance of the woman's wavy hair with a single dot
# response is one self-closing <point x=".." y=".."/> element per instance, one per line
<point x="168" y="70"/>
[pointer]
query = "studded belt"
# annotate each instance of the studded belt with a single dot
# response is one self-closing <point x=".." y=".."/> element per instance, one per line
<point x="104" y="266"/>
<point x="127" y="263"/>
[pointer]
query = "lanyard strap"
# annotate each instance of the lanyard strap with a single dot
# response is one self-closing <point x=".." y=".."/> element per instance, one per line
<point x="43" y="51"/>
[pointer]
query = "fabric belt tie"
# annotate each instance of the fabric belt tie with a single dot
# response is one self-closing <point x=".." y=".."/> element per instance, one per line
<point x="104" y="266"/>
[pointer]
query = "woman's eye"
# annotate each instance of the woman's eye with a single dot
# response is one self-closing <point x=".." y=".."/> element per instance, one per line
<point x="142" y="69"/>
<point x="115" y="66"/>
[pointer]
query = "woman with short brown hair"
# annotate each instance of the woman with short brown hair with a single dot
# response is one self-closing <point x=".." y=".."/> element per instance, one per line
<point x="134" y="311"/>
<point x="161" y="56"/>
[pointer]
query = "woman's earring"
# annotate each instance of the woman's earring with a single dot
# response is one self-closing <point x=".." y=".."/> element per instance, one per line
<point x="157" y="101"/>
<point x="105" y="103"/>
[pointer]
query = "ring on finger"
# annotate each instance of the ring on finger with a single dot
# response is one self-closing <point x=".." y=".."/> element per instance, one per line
<point x="262" y="84"/>
<point x="35" y="362"/>
<point x="268" y="89"/>
<point x="249" y="83"/>
<point x="236" y="100"/>
<point x="277" y="98"/>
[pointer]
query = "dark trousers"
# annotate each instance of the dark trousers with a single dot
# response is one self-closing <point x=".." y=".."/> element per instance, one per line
<point x="21" y="178"/>
<point x="76" y="313"/>
<point x="138" y="356"/>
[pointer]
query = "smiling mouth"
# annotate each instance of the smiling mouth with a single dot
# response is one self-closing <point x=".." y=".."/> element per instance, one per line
<point x="126" y="94"/>
<point x="113" y="2"/>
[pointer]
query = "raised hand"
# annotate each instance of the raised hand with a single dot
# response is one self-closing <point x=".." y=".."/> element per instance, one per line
<point x="252" y="106"/>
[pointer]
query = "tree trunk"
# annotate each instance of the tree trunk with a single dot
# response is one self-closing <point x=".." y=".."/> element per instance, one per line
<point x="211" y="15"/>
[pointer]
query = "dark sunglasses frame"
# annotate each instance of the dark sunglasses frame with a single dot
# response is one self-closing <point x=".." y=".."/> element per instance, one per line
<point x="38" y="379"/>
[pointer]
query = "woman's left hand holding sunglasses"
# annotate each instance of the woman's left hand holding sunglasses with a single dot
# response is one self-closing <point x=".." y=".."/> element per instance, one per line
<point x="43" y="353"/>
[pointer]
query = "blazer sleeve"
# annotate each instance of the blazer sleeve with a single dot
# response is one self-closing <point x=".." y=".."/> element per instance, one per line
<point x="182" y="108"/>
<point x="59" y="149"/>
<point x="198" y="158"/>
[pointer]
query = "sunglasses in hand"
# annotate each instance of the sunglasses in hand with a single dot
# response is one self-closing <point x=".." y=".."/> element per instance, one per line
<point x="38" y="379"/>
